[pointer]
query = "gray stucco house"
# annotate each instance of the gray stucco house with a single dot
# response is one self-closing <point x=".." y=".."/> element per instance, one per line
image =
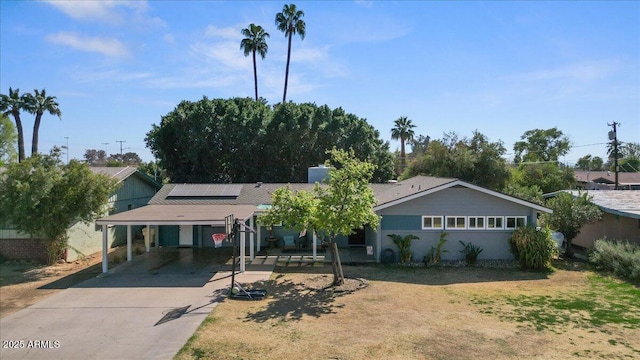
<point x="187" y="215"/>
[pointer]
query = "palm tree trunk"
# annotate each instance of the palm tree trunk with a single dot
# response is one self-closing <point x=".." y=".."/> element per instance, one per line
<point x="255" y="74"/>
<point x="21" y="154"/>
<point x="34" y="140"/>
<point x="286" y="74"/>
<point x="402" y="155"/>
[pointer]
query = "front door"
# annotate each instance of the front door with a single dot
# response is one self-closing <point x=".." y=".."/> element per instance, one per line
<point x="357" y="238"/>
<point x="186" y="235"/>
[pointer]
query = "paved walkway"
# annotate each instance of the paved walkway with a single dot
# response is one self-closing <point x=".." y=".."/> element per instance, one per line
<point x="144" y="309"/>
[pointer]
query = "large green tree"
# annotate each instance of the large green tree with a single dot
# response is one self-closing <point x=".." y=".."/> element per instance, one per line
<point x="43" y="197"/>
<point x="403" y="130"/>
<point x="38" y="103"/>
<point x="255" y="41"/>
<point x="290" y="22"/>
<point x="8" y="138"/>
<point x="242" y="140"/>
<point x="344" y="204"/>
<point x="570" y="214"/>
<point x="548" y="177"/>
<point x="541" y="146"/>
<point x="476" y="160"/>
<point x="13" y="104"/>
<point x="590" y="163"/>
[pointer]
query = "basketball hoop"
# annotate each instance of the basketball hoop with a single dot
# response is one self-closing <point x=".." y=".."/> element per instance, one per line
<point x="217" y="239"/>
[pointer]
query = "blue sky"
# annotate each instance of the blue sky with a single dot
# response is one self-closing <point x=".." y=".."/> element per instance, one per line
<point x="502" y="68"/>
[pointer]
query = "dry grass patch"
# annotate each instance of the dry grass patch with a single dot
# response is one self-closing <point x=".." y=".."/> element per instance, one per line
<point x="428" y="313"/>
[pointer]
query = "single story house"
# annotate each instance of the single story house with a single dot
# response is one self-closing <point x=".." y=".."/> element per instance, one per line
<point x="135" y="190"/>
<point x="189" y="214"/>
<point x="620" y="220"/>
<point x="606" y="180"/>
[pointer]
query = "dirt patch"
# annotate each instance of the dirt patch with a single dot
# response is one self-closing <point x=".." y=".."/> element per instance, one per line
<point x="24" y="283"/>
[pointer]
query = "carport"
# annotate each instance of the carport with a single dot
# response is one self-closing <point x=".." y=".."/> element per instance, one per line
<point x="156" y="215"/>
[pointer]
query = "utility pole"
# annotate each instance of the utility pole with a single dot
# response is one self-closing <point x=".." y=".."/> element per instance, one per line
<point x="613" y="135"/>
<point x="121" y="141"/>
<point x="105" y="148"/>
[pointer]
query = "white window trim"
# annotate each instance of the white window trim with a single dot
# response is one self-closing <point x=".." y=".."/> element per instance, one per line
<point x="484" y="223"/>
<point x="506" y="221"/>
<point x="456" y="221"/>
<point x="494" y="217"/>
<point x="433" y="217"/>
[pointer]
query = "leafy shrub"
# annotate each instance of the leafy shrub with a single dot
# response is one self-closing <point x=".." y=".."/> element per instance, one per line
<point x="470" y="252"/>
<point x="404" y="246"/>
<point x="435" y="254"/>
<point x="533" y="248"/>
<point x="619" y="257"/>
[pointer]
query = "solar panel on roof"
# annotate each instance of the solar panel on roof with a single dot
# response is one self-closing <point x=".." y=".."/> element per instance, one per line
<point x="206" y="190"/>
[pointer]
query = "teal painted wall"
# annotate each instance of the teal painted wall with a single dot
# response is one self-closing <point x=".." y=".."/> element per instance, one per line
<point x="401" y="222"/>
<point x="169" y="235"/>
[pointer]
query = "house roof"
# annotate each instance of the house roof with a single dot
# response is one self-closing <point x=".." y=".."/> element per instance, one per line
<point x="206" y="208"/>
<point x="608" y="177"/>
<point x="178" y="215"/>
<point x="121" y="173"/>
<point x="419" y="186"/>
<point x="617" y="202"/>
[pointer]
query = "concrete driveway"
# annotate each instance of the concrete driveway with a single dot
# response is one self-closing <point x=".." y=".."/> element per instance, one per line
<point x="144" y="309"/>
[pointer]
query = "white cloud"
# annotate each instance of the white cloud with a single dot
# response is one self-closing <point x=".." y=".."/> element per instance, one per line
<point x="110" y="75"/>
<point x="583" y="72"/>
<point x="224" y="53"/>
<point x="109" y="47"/>
<point x="229" y="33"/>
<point x="105" y="10"/>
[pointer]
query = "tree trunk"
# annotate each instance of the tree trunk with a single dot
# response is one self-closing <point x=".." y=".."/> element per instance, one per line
<point x="34" y="140"/>
<point x="336" y="264"/>
<point x="255" y="74"/>
<point x="286" y="73"/>
<point x="21" y="154"/>
<point x="568" y="252"/>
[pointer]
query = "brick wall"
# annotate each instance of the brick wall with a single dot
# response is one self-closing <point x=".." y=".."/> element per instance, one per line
<point x="23" y="249"/>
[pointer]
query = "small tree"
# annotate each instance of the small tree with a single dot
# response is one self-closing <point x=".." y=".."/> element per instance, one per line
<point x="344" y="204"/>
<point x="570" y="213"/>
<point x="44" y="198"/>
<point x="404" y="246"/>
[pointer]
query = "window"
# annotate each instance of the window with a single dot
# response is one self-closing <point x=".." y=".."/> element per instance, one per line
<point x="431" y="222"/>
<point x="494" y="223"/>
<point x="456" y="222"/>
<point x="476" y="222"/>
<point x="514" y="222"/>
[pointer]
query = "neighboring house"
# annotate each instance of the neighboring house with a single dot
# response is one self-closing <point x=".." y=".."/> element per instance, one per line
<point x="188" y="214"/>
<point x="606" y="180"/>
<point x="620" y="220"/>
<point x="135" y="190"/>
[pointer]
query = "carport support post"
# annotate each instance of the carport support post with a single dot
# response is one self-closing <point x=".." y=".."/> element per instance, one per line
<point x="251" y="240"/>
<point x="105" y="253"/>
<point x="242" y="251"/>
<point x="259" y="236"/>
<point x="128" y="242"/>
<point x="147" y="241"/>
<point x="315" y="246"/>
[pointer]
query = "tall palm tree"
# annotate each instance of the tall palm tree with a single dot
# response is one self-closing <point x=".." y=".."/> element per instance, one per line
<point x="402" y="130"/>
<point x="255" y="41"/>
<point x="13" y="104"/>
<point x="289" y="22"/>
<point x="38" y="104"/>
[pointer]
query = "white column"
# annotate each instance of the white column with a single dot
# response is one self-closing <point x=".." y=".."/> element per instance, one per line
<point x="379" y="241"/>
<point x="105" y="250"/>
<point x="128" y="242"/>
<point x="314" y="246"/>
<point x="156" y="236"/>
<point x="242" y="251"/>
<point x="259" y="236"/>
<point x="251" y="240"/>
<point x="147" y="241"/>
